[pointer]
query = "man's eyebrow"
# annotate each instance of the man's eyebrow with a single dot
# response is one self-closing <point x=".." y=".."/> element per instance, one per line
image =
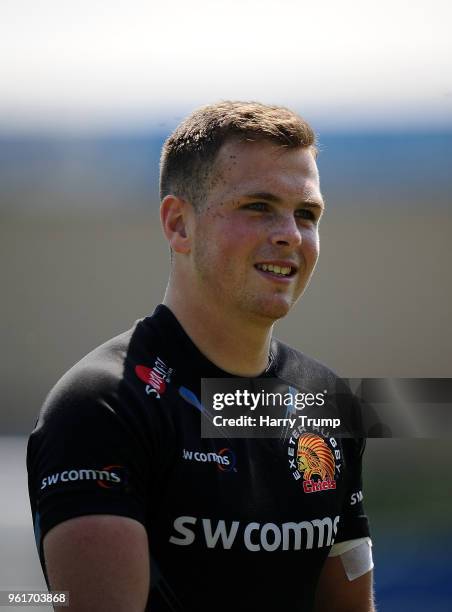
<point x="271" y="197"/>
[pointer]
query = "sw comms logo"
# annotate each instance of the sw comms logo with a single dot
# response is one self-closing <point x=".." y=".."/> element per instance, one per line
<point x="225" y="459"/>
<point x="310" y="457"/>
<point x="105" y="478"/>
<point x="156" y="378"/>
<point x="269" y="537"/>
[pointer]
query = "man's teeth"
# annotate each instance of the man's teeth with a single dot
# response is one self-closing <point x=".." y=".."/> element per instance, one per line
<point x="283" y="271"/>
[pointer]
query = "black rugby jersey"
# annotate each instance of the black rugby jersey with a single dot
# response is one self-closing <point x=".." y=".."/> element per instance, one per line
<point x="232" y="522"/>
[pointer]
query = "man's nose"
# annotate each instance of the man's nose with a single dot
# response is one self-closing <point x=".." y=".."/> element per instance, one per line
<point x="286" y="232"/>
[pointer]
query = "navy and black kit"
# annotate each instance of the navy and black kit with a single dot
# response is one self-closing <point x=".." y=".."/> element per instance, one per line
<point x="233" y="523"/>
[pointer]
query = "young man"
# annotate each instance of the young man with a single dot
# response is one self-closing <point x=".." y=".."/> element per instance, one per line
<point x="132" y="509"/>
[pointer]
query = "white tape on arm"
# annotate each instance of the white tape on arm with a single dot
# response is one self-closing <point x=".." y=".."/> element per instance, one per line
<point x="356" y="556"/>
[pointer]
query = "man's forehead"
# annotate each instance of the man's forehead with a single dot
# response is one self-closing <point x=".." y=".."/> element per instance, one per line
<point x="266" y="167"/>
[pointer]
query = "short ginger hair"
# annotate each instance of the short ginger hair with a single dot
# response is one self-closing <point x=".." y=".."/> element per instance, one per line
<point x="189" y="153"/>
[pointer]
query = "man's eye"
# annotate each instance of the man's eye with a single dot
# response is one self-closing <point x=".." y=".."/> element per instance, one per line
<point x="256" y="206"/>
<point x="305" y="213"/>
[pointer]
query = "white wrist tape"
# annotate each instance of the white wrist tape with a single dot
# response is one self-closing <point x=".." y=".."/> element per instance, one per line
<point x="356" y="556"/>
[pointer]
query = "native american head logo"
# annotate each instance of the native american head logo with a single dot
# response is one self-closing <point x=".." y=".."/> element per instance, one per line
<point x="314" y="457"/>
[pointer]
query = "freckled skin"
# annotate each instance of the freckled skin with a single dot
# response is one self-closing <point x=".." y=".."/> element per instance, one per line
<point x="228" y="244"/>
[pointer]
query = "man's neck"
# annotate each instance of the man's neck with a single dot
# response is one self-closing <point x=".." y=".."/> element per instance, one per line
<point x="236" y="346"/>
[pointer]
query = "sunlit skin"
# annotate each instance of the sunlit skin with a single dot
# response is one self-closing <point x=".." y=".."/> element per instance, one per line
<point x="263" y="207"/>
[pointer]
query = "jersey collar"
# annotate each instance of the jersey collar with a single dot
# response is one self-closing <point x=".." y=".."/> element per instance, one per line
<point x="183" y="352"/>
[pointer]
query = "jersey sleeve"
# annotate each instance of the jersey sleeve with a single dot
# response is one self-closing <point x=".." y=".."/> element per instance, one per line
<point x="354" y="522"/>
<point x="88" y="455"/>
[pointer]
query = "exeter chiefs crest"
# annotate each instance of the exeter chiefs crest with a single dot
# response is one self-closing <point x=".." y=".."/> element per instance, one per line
<point x="312" y="459"/>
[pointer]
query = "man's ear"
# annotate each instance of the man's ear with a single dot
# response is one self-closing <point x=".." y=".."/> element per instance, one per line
<point x="175" y="218"/>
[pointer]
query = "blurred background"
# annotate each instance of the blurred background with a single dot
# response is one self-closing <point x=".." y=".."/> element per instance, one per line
<point x="89" y="91"/>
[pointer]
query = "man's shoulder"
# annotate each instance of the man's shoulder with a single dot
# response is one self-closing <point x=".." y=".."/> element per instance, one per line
<point x="102" y="365"/>
<point x="301" y="371"/>
<point x="293" y="364"/>
<point x="101" y="373"/>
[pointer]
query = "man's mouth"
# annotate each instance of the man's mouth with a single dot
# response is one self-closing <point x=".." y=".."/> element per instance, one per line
<point x="279" y="271"/>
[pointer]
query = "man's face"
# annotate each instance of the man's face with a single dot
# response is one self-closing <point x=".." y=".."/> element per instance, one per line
<point x="255" y="240"/>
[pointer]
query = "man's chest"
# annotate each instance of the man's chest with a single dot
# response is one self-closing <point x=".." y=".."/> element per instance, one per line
<point x="252" y="494"/>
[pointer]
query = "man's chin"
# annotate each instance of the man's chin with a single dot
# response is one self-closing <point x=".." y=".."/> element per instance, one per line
<point x="274" y="309"/>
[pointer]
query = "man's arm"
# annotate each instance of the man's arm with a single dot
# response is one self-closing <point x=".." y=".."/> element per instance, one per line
<point x="336" y="593"/>
<point x="102" y="560"/>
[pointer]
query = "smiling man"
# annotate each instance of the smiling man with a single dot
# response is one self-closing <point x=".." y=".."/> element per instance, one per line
<point x="133" y="509"/>
<point x="244" y="255"/>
